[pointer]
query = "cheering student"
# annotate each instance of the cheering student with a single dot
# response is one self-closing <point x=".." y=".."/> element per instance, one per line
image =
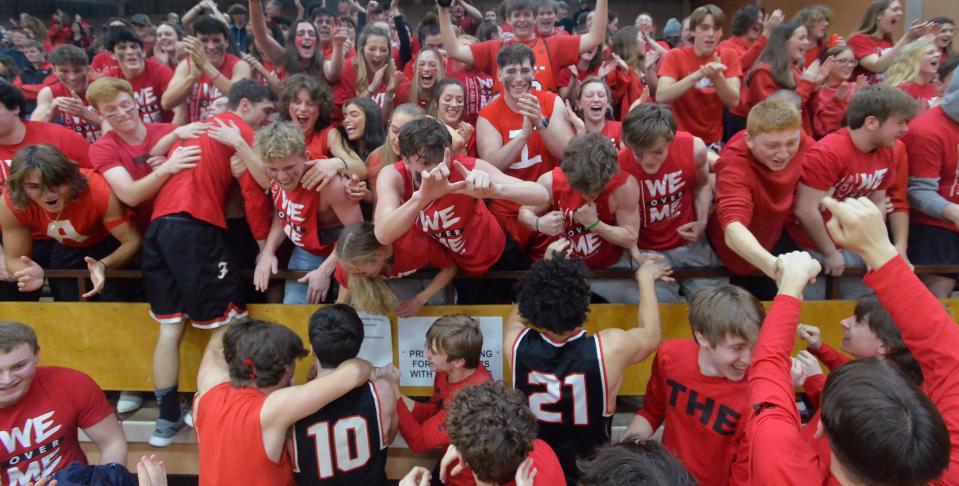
<point x="148" y="77"/>
<point x="65" y="100"/>
<point x="302" y="52"/>
<point x="872" y="42"/>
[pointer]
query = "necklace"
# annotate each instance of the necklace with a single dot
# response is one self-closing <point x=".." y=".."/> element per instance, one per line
<point x="50" y="225"/>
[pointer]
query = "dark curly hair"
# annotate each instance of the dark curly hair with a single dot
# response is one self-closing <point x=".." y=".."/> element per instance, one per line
<point x="317" y="90"/>
<point x="644" y="462"/>
<point x="259" y="352"/>
<point x="493" y="428"/>
<point x="554" y="294"/>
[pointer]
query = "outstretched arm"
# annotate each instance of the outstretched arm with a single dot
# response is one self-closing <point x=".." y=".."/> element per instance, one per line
<point x="453" y="48"/>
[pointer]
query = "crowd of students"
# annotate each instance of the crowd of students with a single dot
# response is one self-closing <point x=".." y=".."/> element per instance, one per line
<point x="357" y="149"/>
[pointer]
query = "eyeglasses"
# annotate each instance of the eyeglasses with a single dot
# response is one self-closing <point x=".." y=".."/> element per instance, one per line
<point x="125" y="109"/>
<point x="847" y="62"/>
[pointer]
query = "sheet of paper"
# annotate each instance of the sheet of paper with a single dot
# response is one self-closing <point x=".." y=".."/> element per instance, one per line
<point x="415" y="368"/>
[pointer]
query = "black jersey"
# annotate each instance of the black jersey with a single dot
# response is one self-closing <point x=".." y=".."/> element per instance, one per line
<point x="344" y="443"/>
<point x="566" y="386"/>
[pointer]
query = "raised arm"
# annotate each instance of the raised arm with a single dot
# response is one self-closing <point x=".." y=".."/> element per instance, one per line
<point x="524" y="193"/>
<point x="740" y="240"/>
<point x="185" y="76"/>
<point x="624" y="233"/>
<point x="267" y="45"/>
<point x="597" y="31"/>
<point x="454" y="49"/>
<point x="285" y="406"/>
<point x="492" y="148"/>
<point x="529" y="215"/>
<point x="134" y="192"/>
<point x="559" y="132"/>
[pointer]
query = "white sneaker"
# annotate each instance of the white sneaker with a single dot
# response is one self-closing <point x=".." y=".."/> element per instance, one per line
<point x="129" y="401"/>
<point x="165" y="432"/>
<point x="188" y="418"/>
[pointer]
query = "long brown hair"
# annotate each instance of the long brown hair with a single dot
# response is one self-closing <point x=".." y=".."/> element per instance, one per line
<point x="357" y="244"/>
<point x="363" y="76"/>
<point x="55" y="170"/>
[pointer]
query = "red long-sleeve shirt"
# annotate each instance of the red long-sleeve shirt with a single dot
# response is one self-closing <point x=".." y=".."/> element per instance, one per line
<point x="748" y="53"/>
<point x="762" y="85"/>
<point x="424" y="428"/>
<point x="828" y="111"/>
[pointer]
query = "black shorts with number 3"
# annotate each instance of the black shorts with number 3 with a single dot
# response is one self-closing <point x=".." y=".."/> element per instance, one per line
<point x="188" y="273"/>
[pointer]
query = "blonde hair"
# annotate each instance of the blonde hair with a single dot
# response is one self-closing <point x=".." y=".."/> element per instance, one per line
<point x="358" y="244"/>
<point x="106" y="89"/>
<point x="278" y="140"/>
<point x="416" y="91"/>
<point x="359" y="61"/>
<point x="906" y="66"/>
<point x="726" y="310"/>
<point x="772" y="116"/>
<point x="385" y="152"/>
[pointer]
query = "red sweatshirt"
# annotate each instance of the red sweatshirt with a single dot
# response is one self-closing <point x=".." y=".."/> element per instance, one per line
<point x="761" y="84"/>
<point x="748" y="53"/>
<point x="828" y="112"/>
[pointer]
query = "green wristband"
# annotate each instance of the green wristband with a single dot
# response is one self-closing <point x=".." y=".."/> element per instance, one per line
<point x="590" y="227"/>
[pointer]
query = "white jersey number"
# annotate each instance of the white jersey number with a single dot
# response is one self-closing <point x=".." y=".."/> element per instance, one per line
<point x="554" y="390"/>
<point x="351" y="445"/>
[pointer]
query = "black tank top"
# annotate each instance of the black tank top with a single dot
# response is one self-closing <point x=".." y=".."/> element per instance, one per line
<point x="343" y="443"/>
<point x="566" y="386"/>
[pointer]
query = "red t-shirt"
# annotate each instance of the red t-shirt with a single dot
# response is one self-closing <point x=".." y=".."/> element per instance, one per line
<point x="202" y="191"/>
<point x="74" y="146"/>
<point x="226" y="417"/>
<point x="932" y="143"/>
<point x="462" y="224"/>
<point x="595" y="251"/>
<point x="926" y="94"/>
<point x="701" y="413"/>
<point x="204" y="92"/>
<point x="345" y="89"/>
<point x="148" y="88"/>
<point x="413" y="251"/>
<point x="85" y="129"/>
<point x="551" y="54"/>
<point x="112" y="151"/>
<point x="835" y="164"/>
<point x="666" y="198"/>
<point x="424" y="428"/>
<point x="106" y="65"/>
<point x="549" y="472"/>
<point x="40" y="431"/>
<point x="318" y="144"/>
<point x="863" y="45"/>
<point x="748" y="192"/>
<point x="614" y="130"/>
<point x="748" y="53"/>
<point x="81" y="223"/>
<point x="534" y="160"/>
<point x="699" y="110"/>
<point x="828" y="111"/>
<point x="762" y="85"/>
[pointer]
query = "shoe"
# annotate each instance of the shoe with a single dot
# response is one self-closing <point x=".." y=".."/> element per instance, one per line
<point x="166" y="431"/>
<point x="188" y="418"/>
<point x="129" y="402"/>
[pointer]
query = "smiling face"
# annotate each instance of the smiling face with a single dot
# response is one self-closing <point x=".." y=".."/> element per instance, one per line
<point x="889" y="18"/>
<point x="17" y="370"/>
<point x="890" y="130"/>
<point x="946" y="33"/>
<point x="130" y="57"/>
<point x="305" y="40"/>
<point x="774" y="149"/>
<point x="450" y="105"/>
<point x="706" y="35"/>
<point x="843" y="67"/>
<point x="797" y="44"/>
<point x="427" y="69"/>
<point x="166" y="36"/>
<point x="376" y="52"/>
<point x="73" y="77"/>
<point x="522" y="21"/>
<point x="930" y="60"/>
<point x="354" y="122"/>
<point x="517" y="79"/>
<point x="50" y="199"/>
<point x="122" y="113"/>
<point x="859" y="340"/>
<point x="257" y="114"/>
<point x="545" y="20"/>
<point x="324" y="28"/>
<point x="304" y="111"/>
<point x="287" y="171"/>
<point x="593" y="101"/>
<point x="730" y="357"/>
<point x="214" y="45"/>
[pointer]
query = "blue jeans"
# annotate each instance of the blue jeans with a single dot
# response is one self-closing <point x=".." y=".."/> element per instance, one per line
<point x="301" y="260"/>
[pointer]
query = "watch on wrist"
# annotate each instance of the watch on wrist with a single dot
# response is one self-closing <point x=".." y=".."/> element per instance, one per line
<point x="544" y="124"/>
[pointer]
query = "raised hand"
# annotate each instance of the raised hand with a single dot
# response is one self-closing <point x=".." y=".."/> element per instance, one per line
<point x="479" y="184"/>
<point x="858" y="225"/>
<point x="226" y="133"/>
<point x="586" y="215"/>
<point x="578" y="124"/>
<point x="151" y="471"/>
<point x="321" y="172"/>
<point x="655" y="269"/>
<point x="794" y="270"/>
<point x="525" y="473"/>
<point x="772" y="21"/>
<point x="192" y="130"/>
<point x="810" y="334"/>
<point x="436" y="183"/>
<point x="529" y="107"/>
<point x="184" y="157"/>
<point x="418" y="476"/>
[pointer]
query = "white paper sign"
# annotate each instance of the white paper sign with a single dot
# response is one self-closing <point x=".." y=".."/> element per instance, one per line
<point x="377" y="347"/>
<point x="415" y="368"/>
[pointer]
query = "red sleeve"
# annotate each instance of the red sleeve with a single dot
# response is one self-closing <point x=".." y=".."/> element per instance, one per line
<point x="862" y="45"/>
<point x="484" y="55"/>
<point x="672" y="65"/>
<point x="654" y="402"/>
<point x="734" y="67"/>
<point x="563" y="50"/>
<point x="104" y="154"/>
<point x="92" y="405"/>
<point x="829" y="356"/>
<point x="422" y="411"/>
<point x="820" y="169"/>
<point x="425" y="436"/>
<point x="163" y="75"/>
<point x="829" y="112"/>
<point x="813" y="387"/>
<point x="30" y="91"/>
<point x="805" y="88"/>
<point x="898" y="192"/>
<point x="564" y="77"/>
<point x="761" y="84"/>
<point x="924" y="150"/>
<point x="751" y="55"/>
<point x="932" y="336"/>
<point x="74" y="146"/>
<point x="734" y="202"/>
<point x="342" y="277"/>
<point x="258" y="207"/>
<point x="775" y="427"/>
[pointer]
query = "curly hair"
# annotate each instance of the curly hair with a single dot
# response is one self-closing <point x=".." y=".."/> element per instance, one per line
<point x="318" y="91"/>
<point x="493" y="428"/>
<point x="554" y="294"/>
<point x="258" y="353"/>
<point x="589" y="162"/>
<point x="55" y="170"/>
<point x="278" y="140"/>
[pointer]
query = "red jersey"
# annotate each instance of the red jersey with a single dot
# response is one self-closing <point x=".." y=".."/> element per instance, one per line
<point x="39" y="433"/>
<point x="412" y="252"/>
<point x="225" y="417"/>
<point x="762" y="85"/>
<point x="535" y="158"/>
<point x="898" y="192"/>
<point x="699" y="110"/>
<point x="863" y="45"/>
<point x="318" y="144"/>
<point x="72" y="145"/>
<point x="85" y="129"/>
<point x="614" y="130"/>
<point x="828" y="111"/>
<point x="479" y="92"/>
<point x="298" y="210"/>
<point x="814" y="51"/>
<point x="748" y="52"/>
<point x="666" y="198"/>
<point x="592" y="248"/>
<point x="932" y="143"/>
<point x="424" y="428"/>
<point x="747" y="192"/>
<point x="460" y="223"/>
<point x="204" y="92"/>
<point x="551" y="54"/>
<point x="148" y="88"/>
<point x="549" y="472"/>
<point x="834" y="164"/>
<point x="926" y="94"/>
<point x="106" y="65"/>
<point x="701" y="413"/>
<point x="112" y="151"/>
<point x="80" y="224"/>
<point x="201" y="191"/>
<point x="345" y="89"/>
